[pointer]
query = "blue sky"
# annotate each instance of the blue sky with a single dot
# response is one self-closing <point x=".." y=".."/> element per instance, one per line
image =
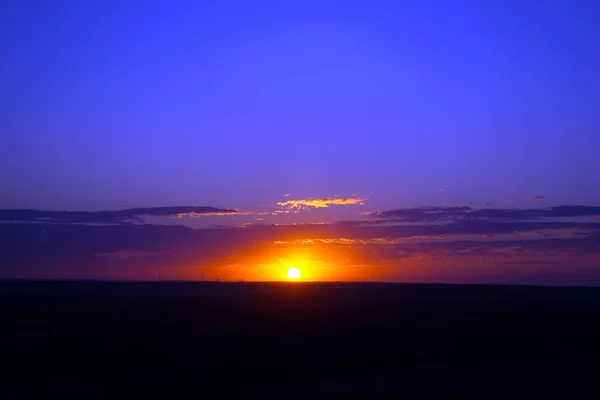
<point x="257" y="120"/>
<point x="111" y="105"/>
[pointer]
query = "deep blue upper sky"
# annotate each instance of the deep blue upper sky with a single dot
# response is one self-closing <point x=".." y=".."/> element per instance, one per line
<point x="112" y="104"/>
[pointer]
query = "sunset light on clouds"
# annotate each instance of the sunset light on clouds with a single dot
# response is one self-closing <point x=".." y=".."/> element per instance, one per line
<point x="320" y="203"/>
<point x="299" y="199"/>
<point x="446" y="244"/>
<point x="363" y="143"/>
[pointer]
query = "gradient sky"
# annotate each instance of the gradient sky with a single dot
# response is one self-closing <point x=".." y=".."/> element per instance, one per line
<point x="304" y="134"/>
<point x="116" y="104"/>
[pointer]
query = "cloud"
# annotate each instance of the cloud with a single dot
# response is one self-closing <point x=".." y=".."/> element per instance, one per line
<point x="559" y="233"/>
<point x="464" y="248"/>
<point x="466" y="213"/>
<point x="424" y="214"/>
<point x="195" y="214"/>
<point x="320" y="203"/>
<point x="538" y="198"/>
<point x="109" y="217"/>
<point x="539" y="213"/>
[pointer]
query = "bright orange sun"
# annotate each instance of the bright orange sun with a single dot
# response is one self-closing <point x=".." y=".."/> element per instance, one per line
<point x="294" y="273"/>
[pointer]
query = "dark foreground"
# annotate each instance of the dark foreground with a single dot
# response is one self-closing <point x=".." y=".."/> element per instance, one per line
<point x="191" y="340"/>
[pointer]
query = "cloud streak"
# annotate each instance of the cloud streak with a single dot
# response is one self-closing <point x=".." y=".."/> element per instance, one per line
<point x="320" y="203"/>
<point x="560" y="233"/>
<point x="516" y="250"/>
<point x="466" y="213"/>
<point x="126" y="216"/>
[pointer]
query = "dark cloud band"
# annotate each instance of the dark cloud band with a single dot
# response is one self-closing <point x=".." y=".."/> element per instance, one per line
<point x="107" y="217"/>
<point x="465" y="213"/>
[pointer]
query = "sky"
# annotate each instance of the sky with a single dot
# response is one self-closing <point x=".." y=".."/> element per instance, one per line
<point x="305" y="112"/>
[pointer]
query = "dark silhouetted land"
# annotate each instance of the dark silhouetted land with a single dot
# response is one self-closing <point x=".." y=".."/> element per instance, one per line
<point x="131" y="340"/>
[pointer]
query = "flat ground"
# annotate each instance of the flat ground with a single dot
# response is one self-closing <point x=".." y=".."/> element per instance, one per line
<point x="189" y="340"/>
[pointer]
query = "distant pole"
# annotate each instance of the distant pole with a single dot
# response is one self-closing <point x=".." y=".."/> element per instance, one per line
<point x="203" y="276"/>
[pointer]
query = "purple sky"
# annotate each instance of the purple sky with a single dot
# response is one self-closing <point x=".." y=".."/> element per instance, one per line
<point x="301" y="134"/>
<point x="118" y="104"/>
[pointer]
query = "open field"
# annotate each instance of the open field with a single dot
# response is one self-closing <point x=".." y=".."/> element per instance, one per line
<point x="109" y="340"/>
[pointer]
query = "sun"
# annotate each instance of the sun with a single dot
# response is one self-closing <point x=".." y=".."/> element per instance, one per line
<point x="294" y="273"/>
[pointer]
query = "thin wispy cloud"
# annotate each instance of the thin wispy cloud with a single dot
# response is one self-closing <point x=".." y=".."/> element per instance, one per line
<point x="320" y="203"/>
<point x="466" y="213"/>
<point x="212" y="213"/>
<point x="131" y="215"/>
<point x="423" y="214"/>
<point x="560" y="233"/>
<point x="506" y="240"/>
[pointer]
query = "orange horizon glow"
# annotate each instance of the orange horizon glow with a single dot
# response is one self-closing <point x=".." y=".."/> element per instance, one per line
<point x="344" y="259"/>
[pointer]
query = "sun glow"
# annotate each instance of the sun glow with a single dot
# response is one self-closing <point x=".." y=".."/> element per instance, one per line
<point x="294" y="273"/>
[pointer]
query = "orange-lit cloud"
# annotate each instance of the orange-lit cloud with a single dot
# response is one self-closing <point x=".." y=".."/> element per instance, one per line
<point x="540" y="245"/>
<point x="321" y="203"/>
<point x="207" y="214"/>
<point x="563" y="233"/>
